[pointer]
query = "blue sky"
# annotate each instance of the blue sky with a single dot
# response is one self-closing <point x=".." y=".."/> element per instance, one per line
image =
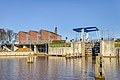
<point x="25" y="15"/>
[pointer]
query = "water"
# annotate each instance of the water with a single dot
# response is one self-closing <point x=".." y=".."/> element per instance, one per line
<point x="112" y="68"/>
<point x="55" y="68"/>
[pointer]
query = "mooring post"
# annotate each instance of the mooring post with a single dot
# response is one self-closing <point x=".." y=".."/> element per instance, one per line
<point x="118" y="53"/>
<point x="100" y="73"/>
<point x="30" y="58"/>
<point x="100" y="66"/>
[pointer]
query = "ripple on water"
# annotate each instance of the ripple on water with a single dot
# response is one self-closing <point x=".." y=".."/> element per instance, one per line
<point x="55" y="68"/>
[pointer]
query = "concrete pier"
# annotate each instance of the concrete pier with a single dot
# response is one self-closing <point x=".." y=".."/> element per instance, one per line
<point x="73" y="50"/>
<point x="35" y="49"/>
<point x="107" y="48"/>
<point x="83" y="49"/>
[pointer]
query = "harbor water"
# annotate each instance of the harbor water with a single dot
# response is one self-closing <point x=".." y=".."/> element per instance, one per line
<point x="56" y="68"/>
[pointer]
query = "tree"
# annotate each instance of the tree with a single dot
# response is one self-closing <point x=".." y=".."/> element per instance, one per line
<point x="10" y="35"/>
<point x="2" y="34"/>
<point x="6" y="35"/>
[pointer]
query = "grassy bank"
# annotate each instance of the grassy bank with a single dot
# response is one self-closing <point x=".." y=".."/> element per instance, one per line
<point x="60" y="45"/>
<point x="117" y="44"/>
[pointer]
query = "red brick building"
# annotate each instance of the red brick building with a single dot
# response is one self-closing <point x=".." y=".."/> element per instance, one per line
<point x="42" y="35"/>
<point x="48" y="35"/>
<point x="34" y="36"/>
<point x="23" y="37"/>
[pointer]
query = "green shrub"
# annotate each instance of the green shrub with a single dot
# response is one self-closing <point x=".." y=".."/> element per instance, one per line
<point x="117" y="45"/>
<point x="60" y="45"/>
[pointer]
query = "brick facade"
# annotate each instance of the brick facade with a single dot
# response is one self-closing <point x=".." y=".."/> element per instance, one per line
<point x="34" y="36"/>
<point x="47" y="35"/>
<point x="23" y="36"/>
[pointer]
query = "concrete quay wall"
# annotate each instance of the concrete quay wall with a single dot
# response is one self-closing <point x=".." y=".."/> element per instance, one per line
<point x="107" y="48"/>
<point x="74" y="49"/>
<point x="117" y="51"/>
<point x="15" y="53"/>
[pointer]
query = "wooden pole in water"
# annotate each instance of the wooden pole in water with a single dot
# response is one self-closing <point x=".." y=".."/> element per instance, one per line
<point x="99" y="66"/>
<point x="100" y="74"/>
<point x="30" y="58"/>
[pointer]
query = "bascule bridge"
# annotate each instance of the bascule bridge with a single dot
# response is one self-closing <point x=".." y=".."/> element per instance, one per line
<point x="89" y="46"/>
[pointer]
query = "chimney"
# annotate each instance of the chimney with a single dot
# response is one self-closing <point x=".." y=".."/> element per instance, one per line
<point x="55" y="30"/>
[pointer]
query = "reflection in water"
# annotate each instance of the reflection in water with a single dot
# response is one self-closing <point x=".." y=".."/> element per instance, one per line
<point x="112" y="68"/>
<point x="55" y="68"/>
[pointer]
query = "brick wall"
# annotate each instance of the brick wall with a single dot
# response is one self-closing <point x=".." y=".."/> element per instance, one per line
<point x="34" y="36"/>
<point x="37" y="36"/>
<point x="23" y="36"/>
<point x="47" y="35"/>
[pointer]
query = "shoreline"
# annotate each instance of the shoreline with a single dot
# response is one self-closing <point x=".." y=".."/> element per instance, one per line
<point x="44" y="54"/>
